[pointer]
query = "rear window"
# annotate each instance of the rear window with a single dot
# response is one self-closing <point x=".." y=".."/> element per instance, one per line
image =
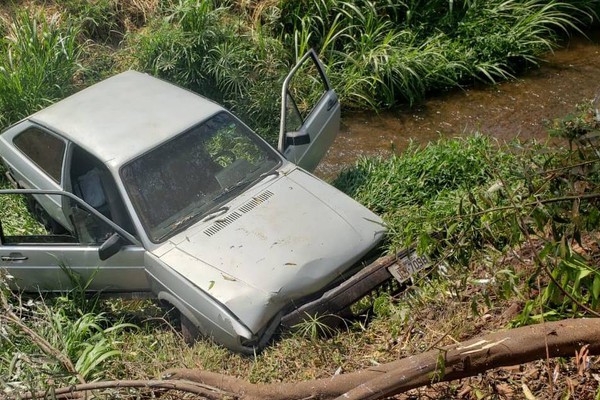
<point x="44" y="149"/>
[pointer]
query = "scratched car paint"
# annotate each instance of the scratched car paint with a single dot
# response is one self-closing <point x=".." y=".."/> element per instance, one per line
<point x="154" y="190"/>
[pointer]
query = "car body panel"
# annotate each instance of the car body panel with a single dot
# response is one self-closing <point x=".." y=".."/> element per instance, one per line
<point x="255" y="265"/>
<point x="212" y="318"/>
<point x="124" y="272"/>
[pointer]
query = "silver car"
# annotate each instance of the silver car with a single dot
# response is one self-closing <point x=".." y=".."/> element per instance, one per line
<point x="153" y="189"/>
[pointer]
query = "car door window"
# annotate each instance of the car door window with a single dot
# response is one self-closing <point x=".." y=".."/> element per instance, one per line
<point x="90" y="180"/>
<point x="306" y="87"/>
<point x="19" y="227"/>
<point x="46" y="150"/>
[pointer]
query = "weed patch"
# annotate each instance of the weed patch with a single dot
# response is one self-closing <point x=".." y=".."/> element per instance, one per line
<point x="39" y="57"/>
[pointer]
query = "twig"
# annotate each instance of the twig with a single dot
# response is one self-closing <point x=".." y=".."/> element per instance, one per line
<point x="42" y="343"/>
<point x="548" y="369"/>
<point x="447" y="334"/>
<point x="581" y="164"/>
<point x="180" y="385"/>
<point x="532" y="203"/>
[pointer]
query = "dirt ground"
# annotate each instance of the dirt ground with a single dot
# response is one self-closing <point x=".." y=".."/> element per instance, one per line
<point x="575" y="378"/>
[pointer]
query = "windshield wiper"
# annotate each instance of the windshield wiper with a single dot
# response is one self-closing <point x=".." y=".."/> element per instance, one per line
<point x="176" y="226"/>
<point x="243" y="183"/>
<point x="229" y="189"/>
<point x="216" y="213"/>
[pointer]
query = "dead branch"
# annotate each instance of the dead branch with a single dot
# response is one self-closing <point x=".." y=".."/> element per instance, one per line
<point x="500" y="349"/>
<point x="515" y="346"/>
<point x="180" y="385"/>
<point x="42" y="343"/>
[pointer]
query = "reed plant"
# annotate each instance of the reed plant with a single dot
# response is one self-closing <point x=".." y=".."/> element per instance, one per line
<point x="381" y="52"/>
<point x="39" y="57"/>
<point x="377" y="53"/>
<point x="206" y="48"/>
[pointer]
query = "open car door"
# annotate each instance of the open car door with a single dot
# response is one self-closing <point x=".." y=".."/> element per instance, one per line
<point x="310" y="113"/>
<point x="99" y="254"/>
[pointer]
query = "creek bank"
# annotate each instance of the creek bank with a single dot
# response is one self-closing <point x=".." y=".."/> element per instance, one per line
<point x="518" y="108"/>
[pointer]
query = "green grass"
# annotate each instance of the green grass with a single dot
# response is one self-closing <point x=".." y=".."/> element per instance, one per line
<point x="38" y="60"/>
<point x="377" y="53"/>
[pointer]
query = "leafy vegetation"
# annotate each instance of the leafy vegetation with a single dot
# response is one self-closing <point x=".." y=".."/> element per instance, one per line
<point x="512" y="224"/>
<point x="377" y="53"/>
<point x="39" y="58"/>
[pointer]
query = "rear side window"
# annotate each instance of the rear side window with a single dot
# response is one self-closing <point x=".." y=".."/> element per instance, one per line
<point x="44" y="149"/>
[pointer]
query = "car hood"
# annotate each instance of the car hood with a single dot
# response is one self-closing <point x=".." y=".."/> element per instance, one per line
<point x="287" y="237"/>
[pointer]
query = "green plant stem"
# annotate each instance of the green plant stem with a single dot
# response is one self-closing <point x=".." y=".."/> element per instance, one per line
<point x="531" y="204"/>
<point x="559" y="286"/>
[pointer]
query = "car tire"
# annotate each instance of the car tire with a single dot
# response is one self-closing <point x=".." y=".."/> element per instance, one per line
<point x="189" y="331"/>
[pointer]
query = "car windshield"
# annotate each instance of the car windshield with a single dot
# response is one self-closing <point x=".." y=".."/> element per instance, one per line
<point x="184" y="179"/>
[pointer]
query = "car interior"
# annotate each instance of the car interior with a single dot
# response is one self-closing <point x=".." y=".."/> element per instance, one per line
<point x="91" y="181"/>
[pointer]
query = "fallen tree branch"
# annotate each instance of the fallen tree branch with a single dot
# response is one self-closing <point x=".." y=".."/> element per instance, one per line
<point x="470" y="358"/>
<point x="515" y="346"/>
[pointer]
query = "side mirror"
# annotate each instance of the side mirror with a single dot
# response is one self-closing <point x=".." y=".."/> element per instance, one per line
<point x="111" y="246"/>
<point x="297" y="138"/>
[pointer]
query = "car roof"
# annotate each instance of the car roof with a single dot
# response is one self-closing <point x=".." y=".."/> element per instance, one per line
<point x="125" y="115"/>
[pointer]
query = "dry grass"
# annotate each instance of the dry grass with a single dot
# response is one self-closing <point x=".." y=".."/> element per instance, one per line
<point x="441" y="311"/>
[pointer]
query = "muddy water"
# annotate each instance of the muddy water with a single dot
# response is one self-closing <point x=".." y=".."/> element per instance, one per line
<point x="512" y="109"/>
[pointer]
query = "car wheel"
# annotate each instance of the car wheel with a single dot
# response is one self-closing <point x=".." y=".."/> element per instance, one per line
<point x="189" y="331"/>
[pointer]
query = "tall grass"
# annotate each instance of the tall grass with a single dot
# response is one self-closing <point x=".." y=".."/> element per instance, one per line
<point x="210" y="50"/>
<point x="38" y="59"/>
<point x="381" y="52"/>
<point x="377" y="53"/>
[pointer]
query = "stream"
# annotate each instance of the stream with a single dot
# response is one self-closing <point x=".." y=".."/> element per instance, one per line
<point x="517" y="108"/>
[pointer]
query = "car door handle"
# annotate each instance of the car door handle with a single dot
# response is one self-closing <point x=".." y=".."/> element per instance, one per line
<point x="14" y="257"/>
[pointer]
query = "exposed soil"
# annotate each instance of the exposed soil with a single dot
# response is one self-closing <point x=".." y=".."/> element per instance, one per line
<point x="518" y="108"/>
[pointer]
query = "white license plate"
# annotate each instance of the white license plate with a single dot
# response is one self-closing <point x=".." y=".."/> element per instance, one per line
<point x="408" y="265"/>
